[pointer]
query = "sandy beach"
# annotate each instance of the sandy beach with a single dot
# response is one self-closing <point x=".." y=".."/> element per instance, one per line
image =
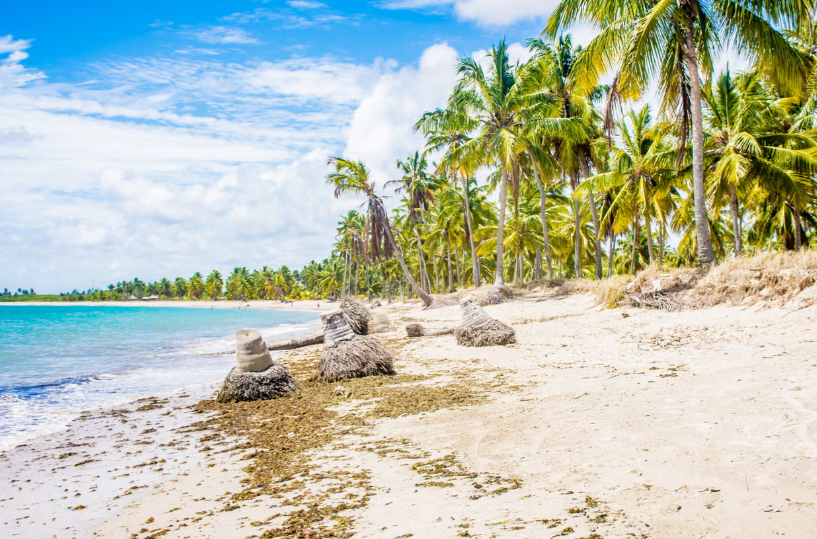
<point x="300" y="305"/>
<point x="597" y="423"/>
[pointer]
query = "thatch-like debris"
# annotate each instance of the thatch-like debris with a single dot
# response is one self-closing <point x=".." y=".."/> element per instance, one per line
<point x="416" y="329"/>
<point x="655" y="300"/>
<point x="494" y="295"/>
<point x="381" y="324"/>
<point x="479" y="329"/>
<point x="348" y="355"/>
<point x="494" y="333"/>
<point x="251" y="386"/>
<point x="357" y="315"/>
<point x="363" y="355"/>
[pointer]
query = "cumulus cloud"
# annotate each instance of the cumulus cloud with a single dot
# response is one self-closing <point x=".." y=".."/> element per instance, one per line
<point x="484" y="12"/>
<point x="224" y="35"/>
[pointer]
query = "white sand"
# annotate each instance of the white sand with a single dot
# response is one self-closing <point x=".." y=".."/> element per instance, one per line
<point x="698" y="424"/>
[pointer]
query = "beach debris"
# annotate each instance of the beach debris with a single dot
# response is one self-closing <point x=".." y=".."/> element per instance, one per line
<point x="415" y="329"/>
<point x="479" y="329"/>
<point x="298" y="342"/>
<point x="655" y="300"/>
<point x="349" y="355"/>
<point x="494" y="295"/>
<point x="381" y="324"/>
<point x="255" y="376"/>
<point x="376" y="303"/>
<point x="357" y="315"/>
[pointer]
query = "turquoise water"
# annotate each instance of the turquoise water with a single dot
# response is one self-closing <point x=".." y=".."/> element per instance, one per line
<point x="56" y="361"/>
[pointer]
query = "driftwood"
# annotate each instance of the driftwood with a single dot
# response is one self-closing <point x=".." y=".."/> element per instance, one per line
<point x="298" y="342"/>
<point x="418" y="330"/>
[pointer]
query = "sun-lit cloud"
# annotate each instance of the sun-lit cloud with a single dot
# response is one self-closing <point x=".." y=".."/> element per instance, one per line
<point x="305" y="4"/>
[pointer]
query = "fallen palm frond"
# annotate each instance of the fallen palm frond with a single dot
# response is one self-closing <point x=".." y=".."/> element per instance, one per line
<point x="479" y="329"/>
<point x="415" y="329"/>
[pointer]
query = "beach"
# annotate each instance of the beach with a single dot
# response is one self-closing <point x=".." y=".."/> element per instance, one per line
<point x="596" y="423"/>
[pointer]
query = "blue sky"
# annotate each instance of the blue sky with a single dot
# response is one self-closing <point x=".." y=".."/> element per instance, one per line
<point x="159" y="138"/>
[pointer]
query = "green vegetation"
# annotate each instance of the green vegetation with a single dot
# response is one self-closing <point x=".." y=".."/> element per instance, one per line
<point x="570" y="184"/>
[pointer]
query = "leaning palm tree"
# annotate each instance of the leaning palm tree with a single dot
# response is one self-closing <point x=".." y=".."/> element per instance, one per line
<point x="353" y="177"/>
<point x="675" y="40"/>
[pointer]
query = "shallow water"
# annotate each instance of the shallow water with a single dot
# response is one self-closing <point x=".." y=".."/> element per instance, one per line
<point x="56" y="361"/>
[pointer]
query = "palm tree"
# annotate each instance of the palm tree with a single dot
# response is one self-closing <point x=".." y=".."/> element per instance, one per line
<point x="353" y="177"/>
<point x="195" y="286"/>
<point x="418" y="187"/>
<point x="675" y="39"/>
<point x="213" y="285"/>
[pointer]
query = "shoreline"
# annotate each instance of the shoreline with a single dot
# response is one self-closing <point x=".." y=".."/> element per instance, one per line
<point x="299" y="305"/>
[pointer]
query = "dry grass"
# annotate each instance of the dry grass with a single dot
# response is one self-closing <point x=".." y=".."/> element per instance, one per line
<point x="779" y="278"/>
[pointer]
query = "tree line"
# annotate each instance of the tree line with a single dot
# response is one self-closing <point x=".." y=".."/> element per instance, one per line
<point x="537" y="170"/>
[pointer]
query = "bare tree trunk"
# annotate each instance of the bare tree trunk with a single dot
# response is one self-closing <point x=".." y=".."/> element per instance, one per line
<point x="451" y="288"/>
<point x="499" y="280"/>
<point x="542" y="213"/>
<point x="733" y="207"/>
<point x="661" y="245"/>
<point x="427" y="298"/>
<point x="436" y="274"/>
<point x="470" y="231"/>
<point x="648" y="226"/>
<point x="368" y="284"/>
<point x="798" y="238"/>
<point x="538" y="264"/>
<point x="459" y="270"/>
<point x="636" y="241"/>
<point x="425" y="282"/>
<point x="591" y="199"/>
<point x="345" y="271"/>
<point x="577" y="247"/>
<point x="611" y="254"/>
<point x="706" y="254"/>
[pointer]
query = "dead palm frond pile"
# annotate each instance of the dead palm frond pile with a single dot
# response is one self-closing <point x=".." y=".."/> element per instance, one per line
<point x="357" y="315"/>
<point x="495" y="295"/>
<point x="348" y="355"/>
<point x="270" y="383"/>
<point x="479" y="329"/>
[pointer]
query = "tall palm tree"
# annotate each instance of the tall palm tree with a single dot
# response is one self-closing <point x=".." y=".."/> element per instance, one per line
<point x="675" y="41"/>
<point x="419" y="191"/>
<point x="213" y="285"/>
<point x="353" y="177"/>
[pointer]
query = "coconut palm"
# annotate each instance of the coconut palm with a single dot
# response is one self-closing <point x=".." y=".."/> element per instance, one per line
<point x="675" y="41"/>
<point x="213" y="285"/>
<point x="353" y="177"/>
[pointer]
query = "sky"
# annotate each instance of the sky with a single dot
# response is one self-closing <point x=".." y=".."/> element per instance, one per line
<point x="163" y="137"/>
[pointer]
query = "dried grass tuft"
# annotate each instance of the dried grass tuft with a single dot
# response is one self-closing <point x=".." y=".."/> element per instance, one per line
<point x="493" y="333"/>
<point x="270" y="383"/>
<point x="360" y="356"/>
<point x="776" y="277"/>
<point x="414" y="329"/>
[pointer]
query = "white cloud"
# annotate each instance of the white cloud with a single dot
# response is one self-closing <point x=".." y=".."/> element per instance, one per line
<point x="485" y="12"/>
<point x="224" y="35"/>
<point x="12" y="71"/>
<point x="382" y="127"/>
<point x="9" y="44"/>
<point x="305" y="4"/>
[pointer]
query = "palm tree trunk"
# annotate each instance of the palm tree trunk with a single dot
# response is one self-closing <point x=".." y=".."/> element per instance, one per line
<point x="451" y="288"/>
<point x="538" y="264"/>
<point x="345" y="270"/>
<point x="591" y="199"/>
<point x="436" y="274"/>
<point x="798" y="238"/>
<point x="459" y="272"/>
<point x="661" y="244"/>
<point x="475" y="268"/>
<point x="733" y="207"/>
<point x="577" y="247"/>
<point x="427" y="298"/>
<point x="425" y="282"/>
<point x="611" y="253"/>
<point x="499" y="280"/>
<point x="648" y="226"/>
<point x="517" y="269"/>
<point x="542" y="213"/>
<point x="636" y="241"/>
<point x="706" y="254"/>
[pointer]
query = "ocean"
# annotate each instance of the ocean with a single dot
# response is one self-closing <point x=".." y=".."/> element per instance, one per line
<point x="57" y="361"/>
